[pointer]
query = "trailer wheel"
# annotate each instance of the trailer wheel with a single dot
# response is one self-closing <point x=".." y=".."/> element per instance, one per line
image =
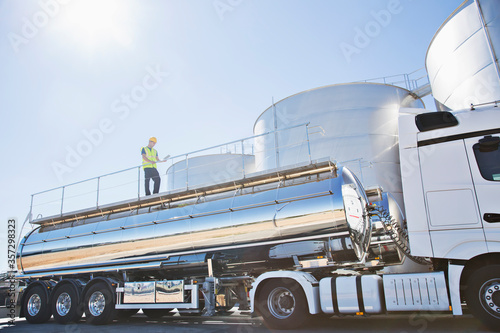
<point x="283" y="304"/>
<point x="36" y="305"/>
<point x="483" y="295"/>
<point x="99" y="306"/>
<point x="156" y="313"/>
<point x="66" y="307"/>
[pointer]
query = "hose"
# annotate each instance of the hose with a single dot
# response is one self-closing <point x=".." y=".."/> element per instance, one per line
<point x="398" y="235"/>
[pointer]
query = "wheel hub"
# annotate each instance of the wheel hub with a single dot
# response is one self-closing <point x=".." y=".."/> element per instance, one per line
<point x="34" y="305"/>
<point x="490" y="292"/>
<point x="496" y="298"/>
<point x="97" y="302"/>
<point x="286" y="301"/>
<point x="281" y="303"/>
<point x="63" y="304"/>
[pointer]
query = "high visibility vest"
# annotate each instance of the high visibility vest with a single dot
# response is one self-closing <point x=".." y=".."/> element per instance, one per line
<point x="151" y="154"/>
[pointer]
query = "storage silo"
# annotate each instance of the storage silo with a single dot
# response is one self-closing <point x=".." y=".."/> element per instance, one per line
<point x="354" y="124"/>
<point x="208" y="169"/>
<point x="462" y="58"/>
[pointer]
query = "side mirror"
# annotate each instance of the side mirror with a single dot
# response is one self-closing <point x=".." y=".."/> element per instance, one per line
<point x="489" y="143"/>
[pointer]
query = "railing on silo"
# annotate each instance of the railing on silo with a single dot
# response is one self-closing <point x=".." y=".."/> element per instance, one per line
<point x="417" y="81"/>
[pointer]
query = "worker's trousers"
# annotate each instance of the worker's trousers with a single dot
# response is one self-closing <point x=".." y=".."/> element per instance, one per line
<point x="152" y="173"/>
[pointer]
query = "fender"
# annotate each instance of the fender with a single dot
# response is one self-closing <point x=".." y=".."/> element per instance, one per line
<point x="75" y="283"/>
<point x="308" y="283"/>
<point x="454" y="275"/>
<point x="466" y="250"/>
<point x="112" y="284"/>
<point x="493" y="246"/>
<point x="47" y="287"/>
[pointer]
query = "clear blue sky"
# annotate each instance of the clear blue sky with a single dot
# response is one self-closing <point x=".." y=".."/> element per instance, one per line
<point x="192" y="73"/>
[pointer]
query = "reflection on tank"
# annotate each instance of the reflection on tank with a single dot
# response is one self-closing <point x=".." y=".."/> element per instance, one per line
<point x="280" y="224"/>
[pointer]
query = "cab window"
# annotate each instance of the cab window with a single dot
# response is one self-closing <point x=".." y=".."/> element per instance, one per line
<point x="487" y="152"/>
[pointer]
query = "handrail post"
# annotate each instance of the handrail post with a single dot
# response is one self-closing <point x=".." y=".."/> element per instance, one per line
<point x="97" y="201"/>
<point x="308" y="143"/>
<point x="138" y="183"/>
<point x="243" y="159"/>
<point x="62" y="200"/>
<point x="277" y="149"/>
<point x="31" y="209"/>
<point x="187" y="172"/>
<point x="275" y="123"/>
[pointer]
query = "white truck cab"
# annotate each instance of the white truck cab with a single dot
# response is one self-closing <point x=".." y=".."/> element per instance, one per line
<point x="450" y="164"/>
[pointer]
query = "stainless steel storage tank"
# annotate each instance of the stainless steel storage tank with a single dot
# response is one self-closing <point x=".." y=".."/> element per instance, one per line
<point x="462" y="58"/>
<point x="354" y="124"/>
<point x="209" y="170"/>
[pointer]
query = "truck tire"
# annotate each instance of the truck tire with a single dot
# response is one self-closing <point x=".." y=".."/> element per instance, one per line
<point x="36" y="305"/>
<point x="66" y="306"/>
<point x="99" y="305"/>
<point x="283" y="304"/>
<point x="483" y="295"/>
<point x="156" y="313"/>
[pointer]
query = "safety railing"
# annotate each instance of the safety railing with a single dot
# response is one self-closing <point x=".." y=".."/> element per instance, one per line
<point x="412" y="81"/>
<point x="222" y="163"/>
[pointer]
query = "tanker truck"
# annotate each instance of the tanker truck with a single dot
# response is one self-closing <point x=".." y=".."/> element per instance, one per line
<point x="289" y="243"/>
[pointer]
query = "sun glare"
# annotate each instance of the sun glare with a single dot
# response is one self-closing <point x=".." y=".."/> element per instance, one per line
<point x="93" y="23"/>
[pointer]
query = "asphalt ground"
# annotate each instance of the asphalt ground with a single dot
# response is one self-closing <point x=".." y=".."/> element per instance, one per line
<point x="243" y="323"/>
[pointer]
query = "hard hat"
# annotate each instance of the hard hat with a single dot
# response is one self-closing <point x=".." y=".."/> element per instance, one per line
<point x="152" y="139"/>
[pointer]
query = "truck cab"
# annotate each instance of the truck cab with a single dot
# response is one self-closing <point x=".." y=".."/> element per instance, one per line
<point x="450" y="164"/>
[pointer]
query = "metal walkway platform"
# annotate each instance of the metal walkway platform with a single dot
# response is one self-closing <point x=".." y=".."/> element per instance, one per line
<point x="165" y="198"/>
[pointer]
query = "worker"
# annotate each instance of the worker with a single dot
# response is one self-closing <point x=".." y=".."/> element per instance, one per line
<point x="149" y="159"/>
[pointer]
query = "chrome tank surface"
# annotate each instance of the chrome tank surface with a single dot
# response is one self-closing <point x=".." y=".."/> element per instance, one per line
<point x="239" y="227"/>
<point x="462" y="59"/>
<point x="354" y="124"/>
